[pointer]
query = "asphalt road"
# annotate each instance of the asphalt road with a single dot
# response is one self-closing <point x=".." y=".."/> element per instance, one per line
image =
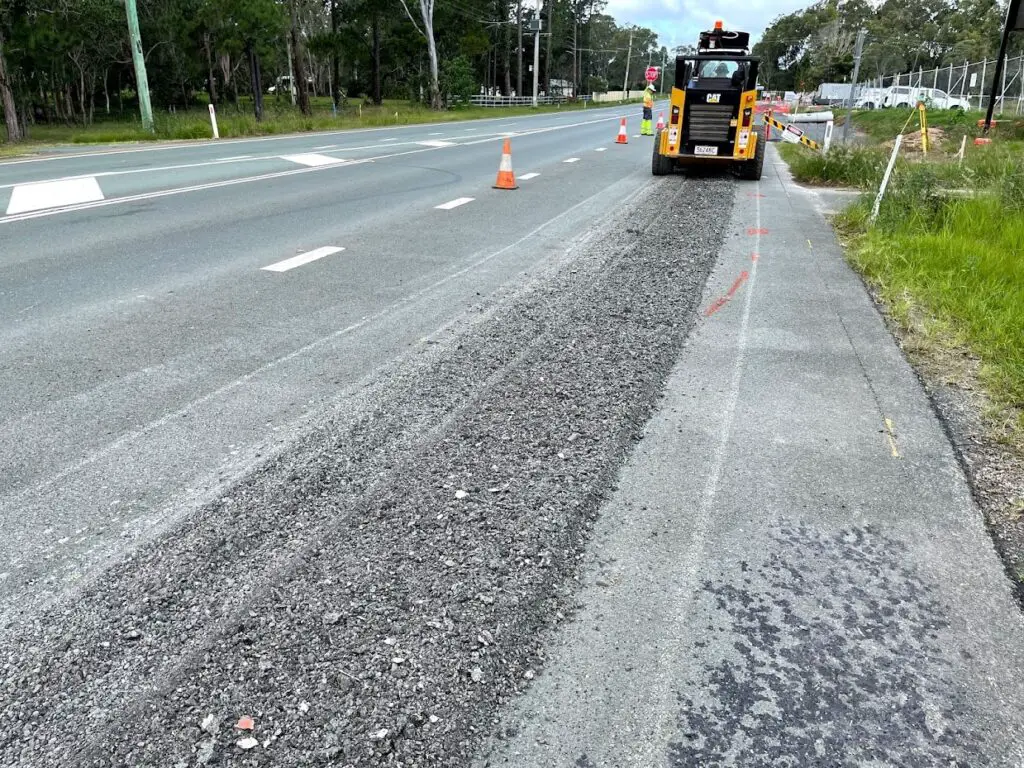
<point x="149" y="356"/>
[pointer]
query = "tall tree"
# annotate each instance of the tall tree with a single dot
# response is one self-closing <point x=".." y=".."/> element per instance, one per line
<point x="7" y="96"/>
<point x="427" y="31"/>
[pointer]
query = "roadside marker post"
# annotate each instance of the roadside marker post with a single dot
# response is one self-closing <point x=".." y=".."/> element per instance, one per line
<point x="885" y="179"/>
<point x="213" y="122"/>
<point x="923" y="117"/>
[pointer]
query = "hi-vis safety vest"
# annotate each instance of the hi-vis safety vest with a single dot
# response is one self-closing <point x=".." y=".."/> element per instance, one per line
<point x="648" y="100"/>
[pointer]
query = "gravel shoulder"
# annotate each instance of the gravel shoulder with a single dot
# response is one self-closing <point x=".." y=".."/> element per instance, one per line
<point x="374" y="595"/>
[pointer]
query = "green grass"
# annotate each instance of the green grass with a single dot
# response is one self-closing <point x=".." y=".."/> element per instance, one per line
<point x="280" y="118"/>
<point x="854" y="166"/>
<point x="954" y="270"/>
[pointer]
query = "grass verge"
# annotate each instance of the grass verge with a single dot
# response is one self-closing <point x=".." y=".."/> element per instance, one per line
<point x="279" y="119"/>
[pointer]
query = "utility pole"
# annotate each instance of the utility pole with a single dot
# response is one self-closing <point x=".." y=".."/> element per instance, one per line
<point x="857" y="51"/>
<point x="536" y="50"/>
<point x="141" y="81"/>
<point x="664" y="68"/>
<point x="629" y="54"/>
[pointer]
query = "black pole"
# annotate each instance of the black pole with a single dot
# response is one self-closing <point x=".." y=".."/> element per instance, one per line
<point x="1012" y="14"/>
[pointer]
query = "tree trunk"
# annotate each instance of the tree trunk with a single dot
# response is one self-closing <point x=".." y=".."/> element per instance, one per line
<point x="257" y="86"/>
<point x="378" y="97"/>
<point x="435" y="85"/>
<point x="211" y="82"/>
<point x="519" y="66"/>
<point x="14" y="132"/>
<point x="298" y="65"/>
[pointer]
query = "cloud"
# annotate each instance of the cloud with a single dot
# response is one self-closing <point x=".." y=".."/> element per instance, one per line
<point x="679" y="22"/>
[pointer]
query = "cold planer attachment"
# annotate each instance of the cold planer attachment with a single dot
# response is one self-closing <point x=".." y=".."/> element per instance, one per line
<point x="711" y="117"/>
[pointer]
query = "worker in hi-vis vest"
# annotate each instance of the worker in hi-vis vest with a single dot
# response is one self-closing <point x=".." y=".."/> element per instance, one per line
<point x="645" y="124"/>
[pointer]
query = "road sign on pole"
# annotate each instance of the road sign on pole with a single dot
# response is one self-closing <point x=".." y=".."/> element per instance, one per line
<point x="651" y="74"/>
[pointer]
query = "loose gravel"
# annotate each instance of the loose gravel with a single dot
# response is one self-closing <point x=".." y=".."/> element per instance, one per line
<point x="374" y="595"/>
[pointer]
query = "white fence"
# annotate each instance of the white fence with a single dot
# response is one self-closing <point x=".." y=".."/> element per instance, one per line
<point x="481" y="100"/>
<point x="968" y="81"/>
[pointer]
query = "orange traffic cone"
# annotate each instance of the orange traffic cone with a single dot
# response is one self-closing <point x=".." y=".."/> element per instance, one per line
<point x="623" y="138"/>
<point x="661" y="122"/>
<point x="506" y="178"/>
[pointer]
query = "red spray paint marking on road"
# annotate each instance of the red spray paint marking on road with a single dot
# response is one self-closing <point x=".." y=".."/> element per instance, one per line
<point x="755" y="256"/>
<point x="754" y="194"/>
<point x="753" y="231"/>
<point x="720" y="302"/>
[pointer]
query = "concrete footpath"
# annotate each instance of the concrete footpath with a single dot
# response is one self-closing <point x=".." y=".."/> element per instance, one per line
<point x="791" y="571"/>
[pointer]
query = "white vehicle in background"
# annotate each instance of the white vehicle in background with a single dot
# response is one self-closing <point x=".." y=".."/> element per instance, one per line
<point x="906" y="97"/>
<point x="869" y="98"/>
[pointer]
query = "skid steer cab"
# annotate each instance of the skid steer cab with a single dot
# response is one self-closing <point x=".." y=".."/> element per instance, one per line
<point x="711" y="117"/>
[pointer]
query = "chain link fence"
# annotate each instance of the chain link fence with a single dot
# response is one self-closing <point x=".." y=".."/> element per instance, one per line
<point x="968" y="81"/>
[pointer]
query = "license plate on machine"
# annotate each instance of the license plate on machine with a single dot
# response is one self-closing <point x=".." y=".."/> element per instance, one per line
<point x="704" y="150"/>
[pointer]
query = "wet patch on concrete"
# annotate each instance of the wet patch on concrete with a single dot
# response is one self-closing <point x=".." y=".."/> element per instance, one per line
<point x="857" y="678"/>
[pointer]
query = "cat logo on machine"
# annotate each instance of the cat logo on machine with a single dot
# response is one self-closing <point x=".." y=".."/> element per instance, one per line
<point x="714" y="98"/>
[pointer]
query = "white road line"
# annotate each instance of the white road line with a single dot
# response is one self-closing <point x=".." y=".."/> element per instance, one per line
<point x="389" y="139"/>
<point x="601" y="149"/>
<point x="572" y="160"/>
<point x="302" y="258"/>
<point x="454" y="203"/>
<point x="435" y="143"/>
<point x="313" y="161"/>
<point x="436" y="133"/>
<point x="528" y="176"/>
<point x="251" y="179"/>
<point x="26" y="198"/>
<point x="327" y="146"/>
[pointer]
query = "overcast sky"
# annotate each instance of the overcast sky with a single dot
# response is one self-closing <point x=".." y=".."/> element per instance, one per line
<point x="678" y="22"/>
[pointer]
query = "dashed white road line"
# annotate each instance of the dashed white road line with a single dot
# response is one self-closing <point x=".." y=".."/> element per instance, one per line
<point x="454" y="203"/>
<point x="26" y="198"/>
<point x="528" y="176"/>
<point x="313" y="161"/>
<point x="601" y="149"/>
<point x="302" y="258"/>
<point x="571" y="160"/>
<point x="436" y="143"/>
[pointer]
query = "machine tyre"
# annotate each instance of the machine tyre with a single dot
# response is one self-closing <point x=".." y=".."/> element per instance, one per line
<point x="752" y="169"/>
<point x="660" y="165"/>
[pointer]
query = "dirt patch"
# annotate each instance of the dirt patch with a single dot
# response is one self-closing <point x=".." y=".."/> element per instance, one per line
<point x="913" y="140"/>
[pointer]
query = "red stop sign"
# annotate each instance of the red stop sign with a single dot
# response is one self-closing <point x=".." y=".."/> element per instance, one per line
<point x="651" y="74"/>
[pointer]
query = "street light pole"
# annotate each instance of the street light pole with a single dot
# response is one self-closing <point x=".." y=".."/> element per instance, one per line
<point x="141" y="81"/>
<point x="857" y="52"/>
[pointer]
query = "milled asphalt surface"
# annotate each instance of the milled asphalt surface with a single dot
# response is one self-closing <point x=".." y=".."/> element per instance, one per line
<point x="791" y="570"/>
<point x="150" y="361"/>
